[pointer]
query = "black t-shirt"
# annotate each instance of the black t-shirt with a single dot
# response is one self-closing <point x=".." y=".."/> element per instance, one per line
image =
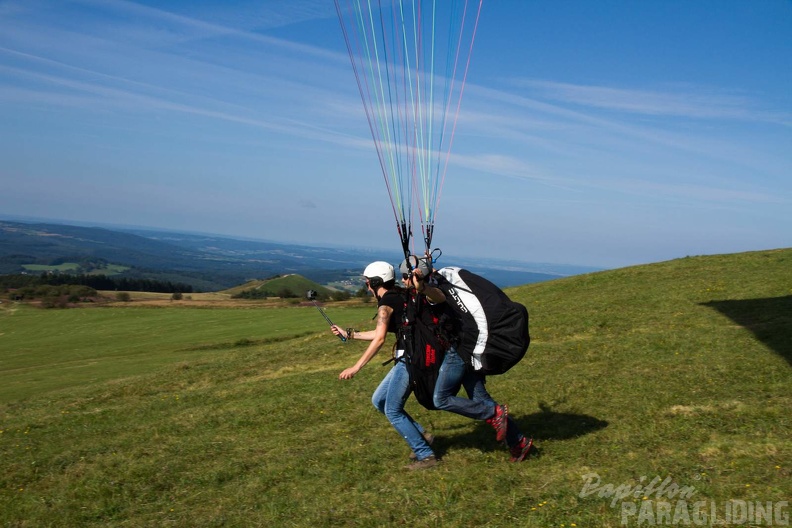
<point x="393" y="299"/>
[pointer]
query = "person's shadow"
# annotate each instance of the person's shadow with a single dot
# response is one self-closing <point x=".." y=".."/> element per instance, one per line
<point x="769" y="319"/>
<point x="543" y="425"/>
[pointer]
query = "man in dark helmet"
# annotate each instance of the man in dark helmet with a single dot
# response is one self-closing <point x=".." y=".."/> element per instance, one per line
<point x="455" y="372"/>
<point x="392" y="393"/>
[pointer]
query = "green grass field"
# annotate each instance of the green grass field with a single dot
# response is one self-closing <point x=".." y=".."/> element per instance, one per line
<point x="45" y="350"/>
<point x="235" y="417"/>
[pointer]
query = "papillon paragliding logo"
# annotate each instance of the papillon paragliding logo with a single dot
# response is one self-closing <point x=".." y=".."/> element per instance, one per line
<point x="410" y="60"/>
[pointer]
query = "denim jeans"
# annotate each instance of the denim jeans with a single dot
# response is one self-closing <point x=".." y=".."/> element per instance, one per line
<point x="389" y="399"/>
<point x="479" y="405"/>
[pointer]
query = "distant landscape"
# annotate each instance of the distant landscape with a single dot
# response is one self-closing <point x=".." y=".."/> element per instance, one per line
<point x="208" y="262"/>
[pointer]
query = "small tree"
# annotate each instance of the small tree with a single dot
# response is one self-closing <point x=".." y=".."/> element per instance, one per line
<point x="286" y="293"/>
<point x="177" y="296"/>
<point x="340" y="295"/>
<point x="363" y="294"/>
<point x="123" y="297"/>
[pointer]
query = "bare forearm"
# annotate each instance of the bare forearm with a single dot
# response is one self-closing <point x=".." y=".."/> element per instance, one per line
<point x="370" y="352"/>
<point x="376" y="338"/>
<point x="367" y="335"/>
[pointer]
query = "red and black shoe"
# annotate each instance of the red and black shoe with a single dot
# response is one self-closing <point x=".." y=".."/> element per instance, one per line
<point x="522" y="450"/>
<point x="500" y="422"/>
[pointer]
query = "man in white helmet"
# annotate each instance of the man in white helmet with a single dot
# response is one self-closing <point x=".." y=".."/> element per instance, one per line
<point x="392" y="393"/>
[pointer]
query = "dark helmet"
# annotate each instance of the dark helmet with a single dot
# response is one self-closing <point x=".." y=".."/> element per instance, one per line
<point x="416" y="263"/>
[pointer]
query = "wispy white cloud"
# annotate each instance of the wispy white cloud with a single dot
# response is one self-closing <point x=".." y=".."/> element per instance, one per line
<point x="249" y="14"/>
<point x="579" y="131"/>
<point x="680" y="101"/>
<point x="215" y="21"/>
<point x="605" y="142"/>
<point x="647" y="182"/>
<point x="69" y="68"/>
<point x="59" y="91"/>
<point x="692" y="193"/>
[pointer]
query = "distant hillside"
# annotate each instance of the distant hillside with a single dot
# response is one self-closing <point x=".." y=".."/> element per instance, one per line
<point x="204" y="262"/>
<point x="211" y="263"/>
<point x="40" y="243"/>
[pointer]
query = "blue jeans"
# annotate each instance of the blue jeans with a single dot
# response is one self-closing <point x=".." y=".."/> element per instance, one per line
<point x="389" y="399"/>
<point x="479" y="405"/>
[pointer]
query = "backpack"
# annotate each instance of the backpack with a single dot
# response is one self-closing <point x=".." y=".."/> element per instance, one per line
<point x="425" y="345"/>
<point x="493" y="329"/>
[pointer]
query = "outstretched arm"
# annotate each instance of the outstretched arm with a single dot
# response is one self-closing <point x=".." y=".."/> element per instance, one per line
<point x="354" y="334"/>
<point x="377" y="339"/>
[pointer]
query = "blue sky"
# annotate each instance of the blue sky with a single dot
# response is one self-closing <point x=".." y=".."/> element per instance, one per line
<point x="605" y="133"/>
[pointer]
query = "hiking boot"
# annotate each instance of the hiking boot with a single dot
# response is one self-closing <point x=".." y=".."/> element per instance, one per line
<point x="429" y="437"/>
<point x="499" y="422"/>
<point x="426" y="463"/>
<point x="522" y="450"/>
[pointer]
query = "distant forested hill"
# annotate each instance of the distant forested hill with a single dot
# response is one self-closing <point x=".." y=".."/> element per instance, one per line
<point x="206" y="262"/>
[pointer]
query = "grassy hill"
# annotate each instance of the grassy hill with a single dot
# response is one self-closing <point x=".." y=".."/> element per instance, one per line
<point x="291" y="284"/>
<point x="678" y="371"/>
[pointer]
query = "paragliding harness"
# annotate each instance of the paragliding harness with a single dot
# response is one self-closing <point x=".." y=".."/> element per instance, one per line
<point x="425" y="338"/>
<point x="494" y="329"/>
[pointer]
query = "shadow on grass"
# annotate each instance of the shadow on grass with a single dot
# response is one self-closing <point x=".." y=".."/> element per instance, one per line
<point x="551" y="425"/>
<point x="544" y="425"/>
<point x="769" y="319"/>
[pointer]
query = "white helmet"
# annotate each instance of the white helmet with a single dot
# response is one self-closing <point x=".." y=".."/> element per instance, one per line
<point x="379" y="271"/>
